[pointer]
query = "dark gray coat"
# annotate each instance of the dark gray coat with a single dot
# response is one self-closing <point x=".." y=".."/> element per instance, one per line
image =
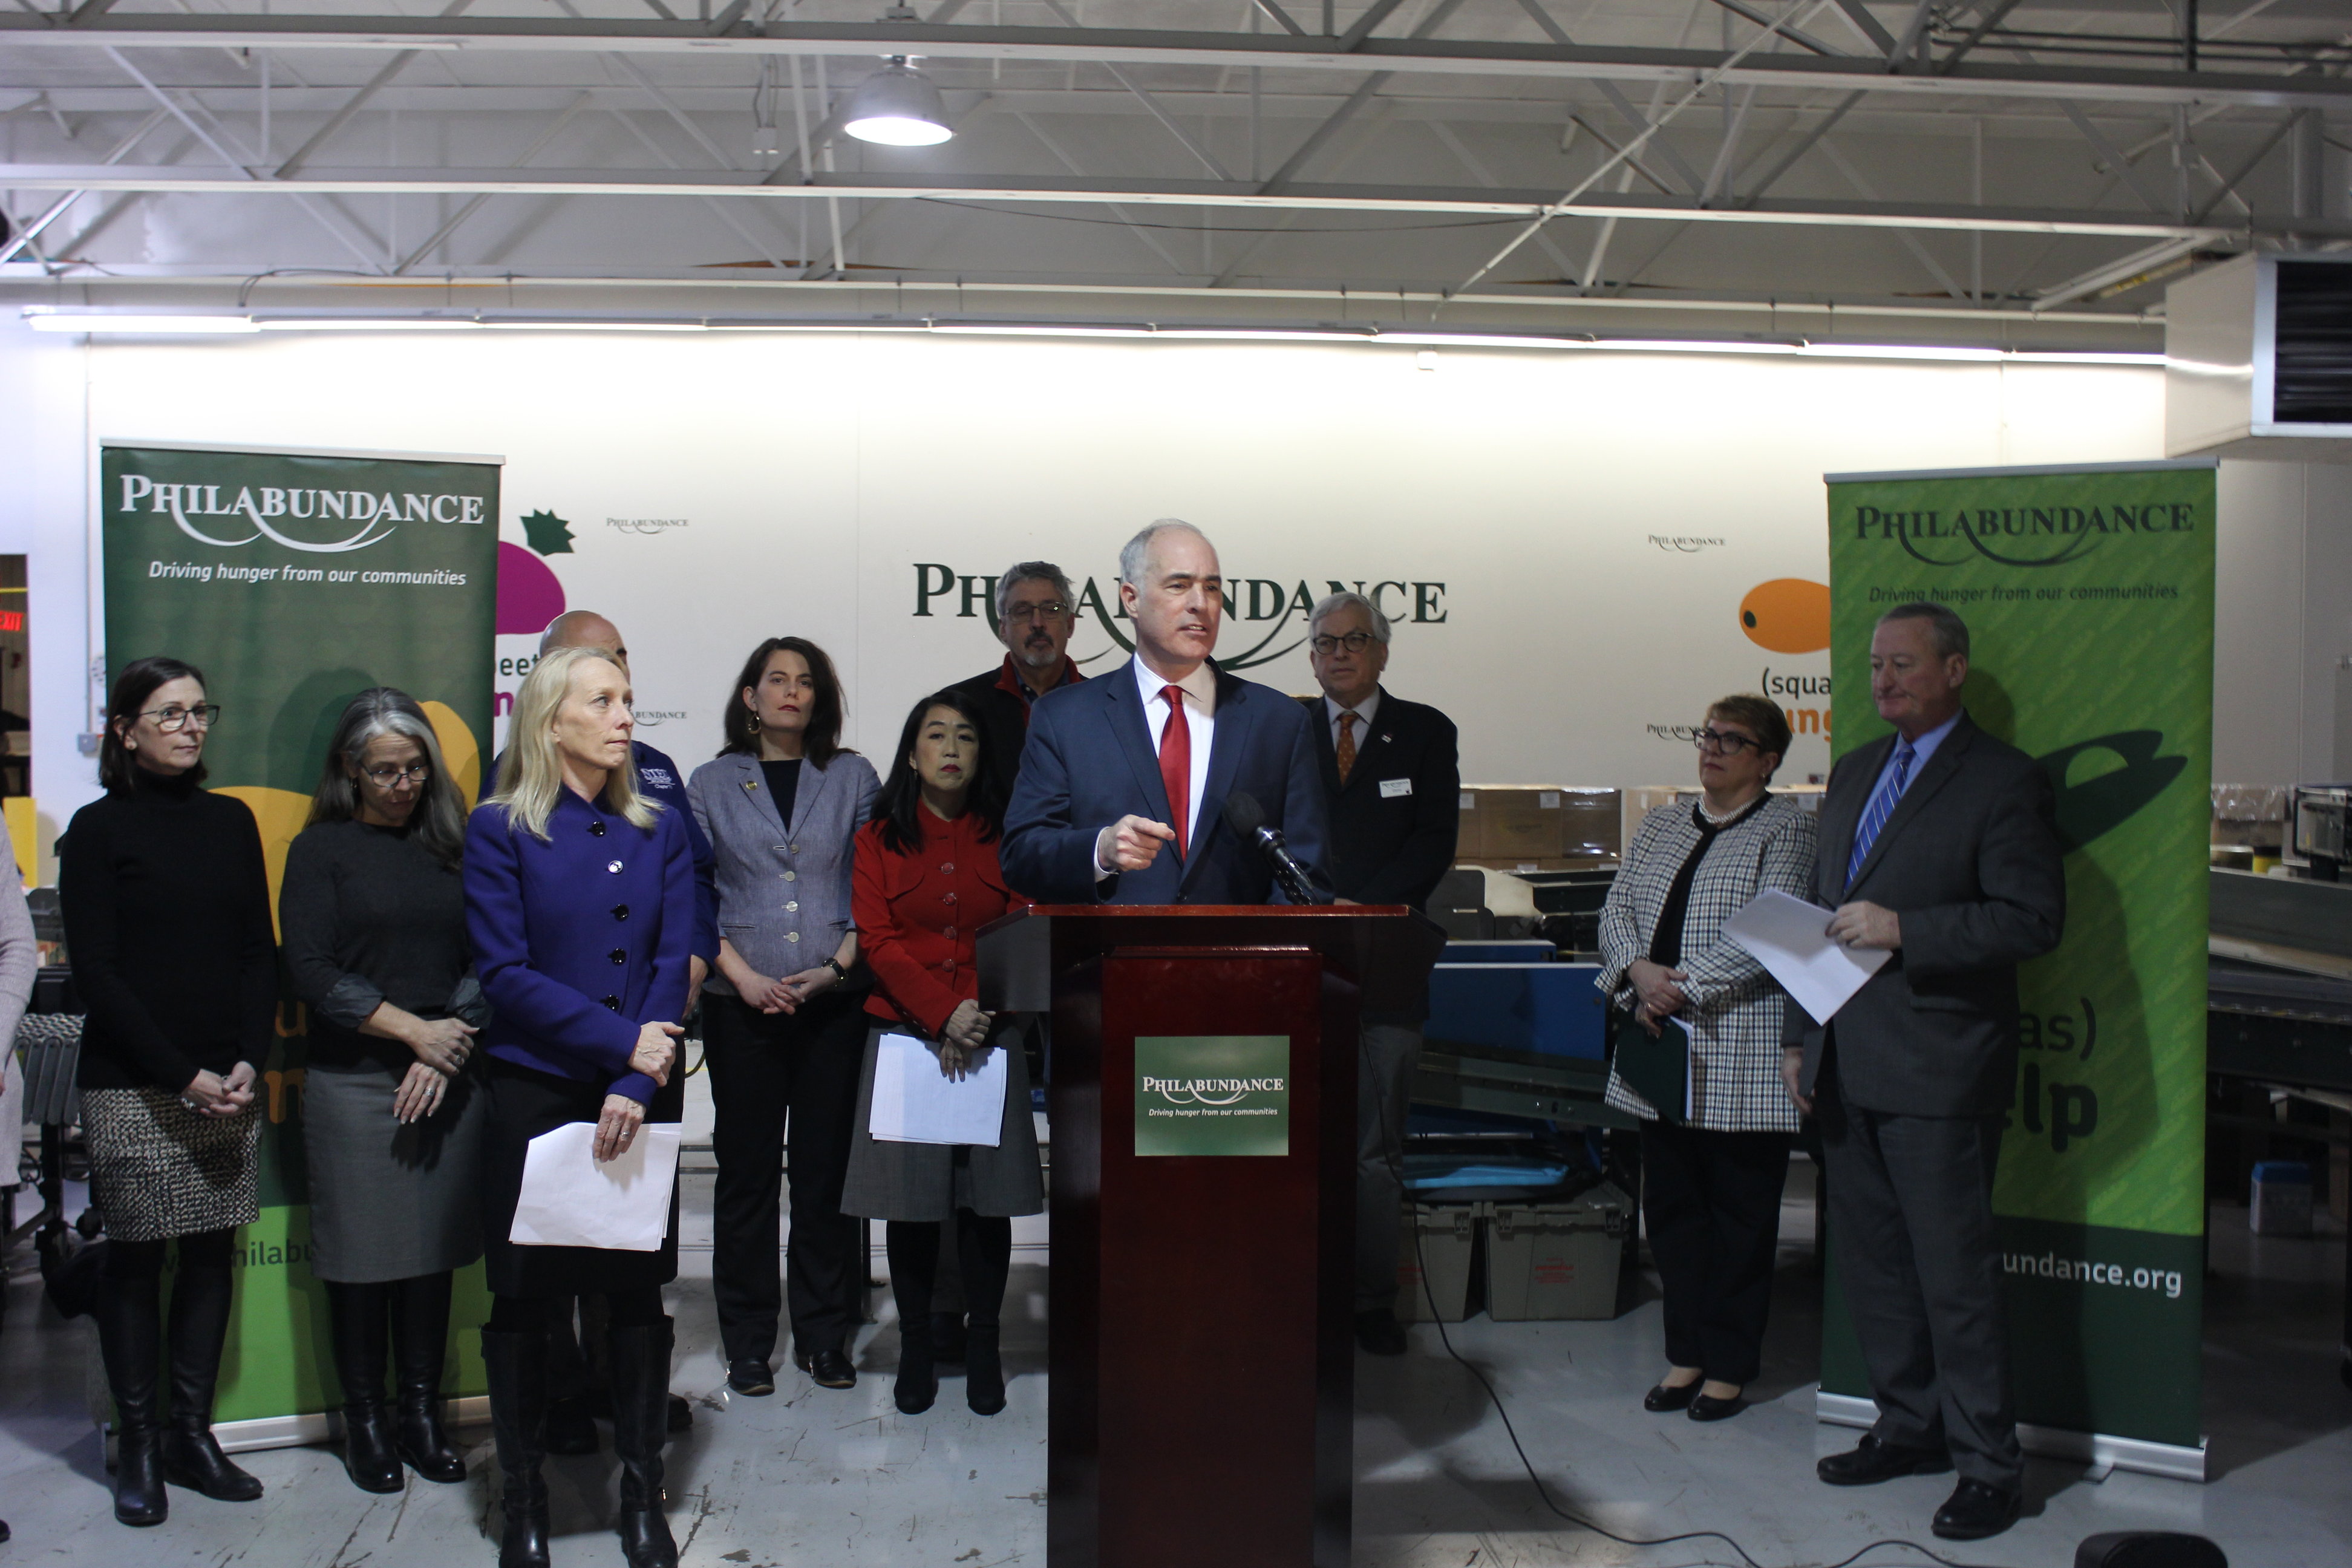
<point x="1971" y="861"/>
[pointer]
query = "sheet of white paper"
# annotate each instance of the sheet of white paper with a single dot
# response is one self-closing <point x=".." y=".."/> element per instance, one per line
<point x="1791" y="938"/>
<point x="914" y="1103"/>
<point x="571" y="1199"/>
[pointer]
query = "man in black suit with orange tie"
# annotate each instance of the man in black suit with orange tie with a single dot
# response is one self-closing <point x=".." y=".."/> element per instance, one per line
<point x="1392" y="770"/>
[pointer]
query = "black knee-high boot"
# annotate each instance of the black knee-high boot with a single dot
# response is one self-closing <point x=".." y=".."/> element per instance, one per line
<point x="356" y="1313"/>
<point x="131" y="1341"/>
<point x="640" y="1358"/>
<point x="201" y="1298"/>
<point x="517" y="1365"/>
<point x="570" y="1418"/>
<point x="985" y="1247"/>
<point x="420" y="1342"/>
<point x="914" y="1251"/>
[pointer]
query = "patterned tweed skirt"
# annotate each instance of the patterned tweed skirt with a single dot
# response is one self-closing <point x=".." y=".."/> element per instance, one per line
<point x="161" y="1169"/>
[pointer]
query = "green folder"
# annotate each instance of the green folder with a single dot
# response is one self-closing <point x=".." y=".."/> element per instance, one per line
<point x="1656" y="1067"/>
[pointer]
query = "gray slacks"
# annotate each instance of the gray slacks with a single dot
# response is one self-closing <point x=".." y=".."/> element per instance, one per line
<point x="1383" y="1090"/>
<point x="1910" y="1211"/>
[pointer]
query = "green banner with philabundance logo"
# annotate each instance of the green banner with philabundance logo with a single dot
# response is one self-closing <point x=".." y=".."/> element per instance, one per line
<point x="1212" y="1094"/>
<point x="296" y="581"/>
<point x="2089" y="597"/>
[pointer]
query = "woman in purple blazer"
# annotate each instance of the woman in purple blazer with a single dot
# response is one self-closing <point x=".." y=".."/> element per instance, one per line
<point x="579" y="904"/>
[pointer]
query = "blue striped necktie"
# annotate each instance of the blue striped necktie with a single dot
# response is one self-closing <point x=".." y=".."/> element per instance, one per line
<point x="1882" y="807"/>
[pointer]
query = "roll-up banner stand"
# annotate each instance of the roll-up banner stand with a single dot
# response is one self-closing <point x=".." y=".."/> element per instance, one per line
<point x="2088" y="594"/>
<point x="295" y="580"/>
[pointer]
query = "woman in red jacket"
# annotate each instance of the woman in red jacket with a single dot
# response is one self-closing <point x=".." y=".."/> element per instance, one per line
<point x="925" y="880"/>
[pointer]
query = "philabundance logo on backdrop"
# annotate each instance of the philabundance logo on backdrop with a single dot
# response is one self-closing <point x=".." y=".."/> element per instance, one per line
<point x="1212" y="1094"/>
<point x="295" y="582"/>
<point x="1265" y="612"/>
<point x="2089" y="599"/>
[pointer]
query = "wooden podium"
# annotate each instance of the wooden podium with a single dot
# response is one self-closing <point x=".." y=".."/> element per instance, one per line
<point x="1201" y="1412"/>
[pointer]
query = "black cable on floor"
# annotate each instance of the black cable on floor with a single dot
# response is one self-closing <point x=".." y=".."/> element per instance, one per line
<point x="1429" y="1295"/>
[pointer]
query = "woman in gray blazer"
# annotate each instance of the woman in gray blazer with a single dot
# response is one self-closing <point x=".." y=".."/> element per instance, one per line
<point x="782" y="1025"/>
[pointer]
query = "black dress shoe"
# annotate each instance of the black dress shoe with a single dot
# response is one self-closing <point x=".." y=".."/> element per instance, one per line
<point x="751" y="1377"/>
<point x="1871" y="1461"/>
<point x="1668" y="1396"/>
<point x="800" y="1355"/>
<point x="1975" y="1510"/>
<point x="1378" y="1332"/>
<point x="831" y="1369"/>
<point x="1706" y="1407"/>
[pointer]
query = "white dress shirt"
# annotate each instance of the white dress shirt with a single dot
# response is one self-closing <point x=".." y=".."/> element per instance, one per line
<point x="1199" y="689"/>
<point x="1364" y="711"/>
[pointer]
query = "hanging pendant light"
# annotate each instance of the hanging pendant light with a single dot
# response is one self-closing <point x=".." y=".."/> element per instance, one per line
<point x="898" y="106"/>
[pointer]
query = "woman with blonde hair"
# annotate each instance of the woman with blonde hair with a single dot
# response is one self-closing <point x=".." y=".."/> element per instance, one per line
<point x="372" y="914"/>
<point x="579" y="899"/>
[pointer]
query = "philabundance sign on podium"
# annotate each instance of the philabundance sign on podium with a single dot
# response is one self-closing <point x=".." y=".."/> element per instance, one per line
<point x="1212" y="1094"/>
<point x="2089" y="598"/>
<point x="295" y="581"/>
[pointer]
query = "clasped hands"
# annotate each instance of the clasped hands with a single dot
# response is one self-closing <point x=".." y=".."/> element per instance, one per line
<point x="214" y="1094"/>
<point x="442" y="1046"/>
<point x="788" y="993"/>
<point x="964" y="1040"/>
<point x="617" y="1126"/>
<point x="1657" y="993"/>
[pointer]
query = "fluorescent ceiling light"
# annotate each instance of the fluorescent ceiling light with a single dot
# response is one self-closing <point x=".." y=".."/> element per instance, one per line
<point x="361" y="324"/>
<point x="898" y="106"/>
<point x="63" y="322"/>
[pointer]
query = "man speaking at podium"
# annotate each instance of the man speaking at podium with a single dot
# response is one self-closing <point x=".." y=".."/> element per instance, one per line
<point x="1123" y="788"/>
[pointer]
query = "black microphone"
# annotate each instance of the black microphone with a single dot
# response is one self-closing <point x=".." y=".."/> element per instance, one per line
<point x="1248" y="818"/>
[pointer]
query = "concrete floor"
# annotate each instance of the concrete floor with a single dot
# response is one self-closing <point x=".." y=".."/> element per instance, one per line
<point x="809" y="1476"/>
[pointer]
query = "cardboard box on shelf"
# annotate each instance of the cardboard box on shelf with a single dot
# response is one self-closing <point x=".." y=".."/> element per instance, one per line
<point x="1593" y="822"/>
<point x="1518" y="821"/>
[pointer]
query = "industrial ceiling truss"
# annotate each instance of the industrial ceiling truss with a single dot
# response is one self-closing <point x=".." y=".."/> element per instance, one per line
<point x="2021" y="173"/>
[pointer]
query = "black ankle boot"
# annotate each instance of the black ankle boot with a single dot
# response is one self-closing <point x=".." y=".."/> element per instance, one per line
<point x="192" y="1455"/>
<point x="517" y="1365"/>
<point x="918" y="1381"/>
<point x="640" y="1360"/>
<point x="983" y="1371"/>
<point x="355" y="1313"/>
<point x="420" y="1342"/>
<point x="130" y="1337"/>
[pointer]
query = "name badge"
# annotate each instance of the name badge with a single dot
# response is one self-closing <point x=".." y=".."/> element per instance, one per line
<point x="1391" y="788"/>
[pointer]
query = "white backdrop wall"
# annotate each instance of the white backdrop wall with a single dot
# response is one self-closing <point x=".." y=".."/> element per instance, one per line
<point x="1576" y="531"/>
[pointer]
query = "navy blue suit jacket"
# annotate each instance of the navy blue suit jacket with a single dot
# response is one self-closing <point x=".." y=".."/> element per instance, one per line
<point x="1091" y="761"/>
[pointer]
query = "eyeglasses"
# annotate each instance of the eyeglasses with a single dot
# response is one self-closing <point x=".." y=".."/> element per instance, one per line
<point x="1729" y="742"/>
<point x="176" y="718"/>
<point x="1053" y="612"/>
<point x="390" y="778"/>
<point x="1354" y="642"/>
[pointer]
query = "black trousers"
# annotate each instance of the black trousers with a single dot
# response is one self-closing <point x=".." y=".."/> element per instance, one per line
<point x="1712" y="1204"/>
<point x="772" y="1075"/>
<point x="1911" y="1230"/>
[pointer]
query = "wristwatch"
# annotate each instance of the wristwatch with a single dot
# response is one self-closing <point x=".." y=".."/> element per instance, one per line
<point x="839" y="973"/>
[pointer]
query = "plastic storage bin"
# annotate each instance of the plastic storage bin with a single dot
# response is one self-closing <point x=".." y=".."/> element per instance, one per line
<point x="1556" y="1259"/>
<point x="2281" y="1205"/>
<point x="1448" y="1237"/>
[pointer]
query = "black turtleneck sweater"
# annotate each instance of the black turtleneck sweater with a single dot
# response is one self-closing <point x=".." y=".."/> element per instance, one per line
<point x="167" y="924"/>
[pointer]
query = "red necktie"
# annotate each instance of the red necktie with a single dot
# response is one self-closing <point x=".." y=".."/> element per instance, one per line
<point x="1176" y="765"/>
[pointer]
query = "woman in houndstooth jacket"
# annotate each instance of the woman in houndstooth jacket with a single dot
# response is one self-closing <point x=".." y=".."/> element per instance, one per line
<point x="1711" y="1178"/>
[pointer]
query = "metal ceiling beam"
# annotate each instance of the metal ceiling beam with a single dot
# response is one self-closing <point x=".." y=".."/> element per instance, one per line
<point x="357" y="101"/>
<point x="1217" y="50"/>
<point x="459" y="218"/>
<point x="1189" y="193"/>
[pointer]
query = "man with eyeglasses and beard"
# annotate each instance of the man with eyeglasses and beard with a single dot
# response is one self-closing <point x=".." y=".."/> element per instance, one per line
<point x="1391" y="772"/>
<point x="1036" y="614"/>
